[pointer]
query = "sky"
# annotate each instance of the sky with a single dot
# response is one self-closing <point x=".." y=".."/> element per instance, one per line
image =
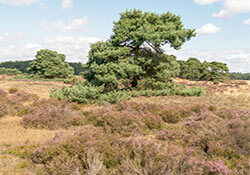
<point x="69" y="26"/>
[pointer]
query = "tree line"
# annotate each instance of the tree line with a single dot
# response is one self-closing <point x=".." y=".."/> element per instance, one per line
<point x="193" y="69"/>
<point x="23" y="65"/>
<point x="239" y="76"/>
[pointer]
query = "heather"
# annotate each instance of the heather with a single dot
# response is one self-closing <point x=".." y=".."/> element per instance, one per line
<point x="52" y="114"/>
<point x="136" y="138"/>
<point x="12" y="103"/>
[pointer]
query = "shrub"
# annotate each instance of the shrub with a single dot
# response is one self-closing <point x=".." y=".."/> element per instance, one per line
<point x="84" y="93"/>
<point x="123" y="120"/>
<point x="3" y="93"/>
<point x="78" y="93"/>
<point x="131" y="137"/>
<point x="195" y="91"/>
<point x="20" y="97"/>
<point x="72" y="80"/>
<point x="73" y="153"/>
<point x="52" y="115"/>
<point x="12" y="104"/>
<point x="3" y="109"/>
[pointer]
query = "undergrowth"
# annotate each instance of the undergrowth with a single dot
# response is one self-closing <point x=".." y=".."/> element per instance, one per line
<point x="134" y="138"/>
<point x="84" y="93"/>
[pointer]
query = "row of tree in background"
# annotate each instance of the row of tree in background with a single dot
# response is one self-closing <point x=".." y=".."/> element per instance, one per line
<point x="23" y="65"/>
<point x="191" y="69"/>
<point x="239" y="76"/>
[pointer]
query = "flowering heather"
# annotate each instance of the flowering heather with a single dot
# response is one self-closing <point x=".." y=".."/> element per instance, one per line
<point x="3" y="93"/>
<point x="12" y="104"/>
<point x="23" y="97"/>
<point x="132" y="138"/>
<point x="73" y="153"/>
<point x="52" y="115"/>
<point x="125" y="119"/>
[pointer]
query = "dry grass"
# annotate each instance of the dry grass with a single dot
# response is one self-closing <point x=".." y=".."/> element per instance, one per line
<point x="41" y="89"/>
<point x="13" y="135"/>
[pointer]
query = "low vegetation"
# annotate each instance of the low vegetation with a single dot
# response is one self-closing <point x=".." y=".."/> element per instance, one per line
<point x="143" y="135"/>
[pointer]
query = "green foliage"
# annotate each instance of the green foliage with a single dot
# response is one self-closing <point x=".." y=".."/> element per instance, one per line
<point x="23" y="65"/>
<point x="131" y="63"/>
<point x="215" y="71"/>
<point x="84" y="93"/>
<point x="195" y="91"/>
<point x="50" y="64"/>
<point x="72" y="80"/>
<point x="239" y="76"/>
<point x="79" y="93"/>
<point x="9" y="71"/>
<point x="193" y="69"/>
<point x="78" y="68"/>
<point x="19" y="65"/>
<point x="22" y="151"/>
<point x="134" y="51"/>
<point x="136" y="27"/>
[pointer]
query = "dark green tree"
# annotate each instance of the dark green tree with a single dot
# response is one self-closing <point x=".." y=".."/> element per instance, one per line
<point x="9" y="71"/>
<point x="50" y="64"/>
<point x="239" y="76"/>
<point x="191" y="69"/>
<point x="132" y="63"/>
<point x="215" y="71"/>
<point x="133" y="55"/>
<point x="19" y="65"/>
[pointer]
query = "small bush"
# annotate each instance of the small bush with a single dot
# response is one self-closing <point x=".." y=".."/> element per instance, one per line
<point x="50" y="64"/>
<point x="72" y="80"/>
<point x="3" y="93"/>
<point x="195" y="91"/>
<point x="52" y="115"/>
<point x="78" y="93"/>
<point x="12" y="104"/>
<point x="84" y="93"/>
<point x="3" y="109"/>
<point x="20" y="97"/>
<point x="67" y="154"/>
<point x="123" y="119"/>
